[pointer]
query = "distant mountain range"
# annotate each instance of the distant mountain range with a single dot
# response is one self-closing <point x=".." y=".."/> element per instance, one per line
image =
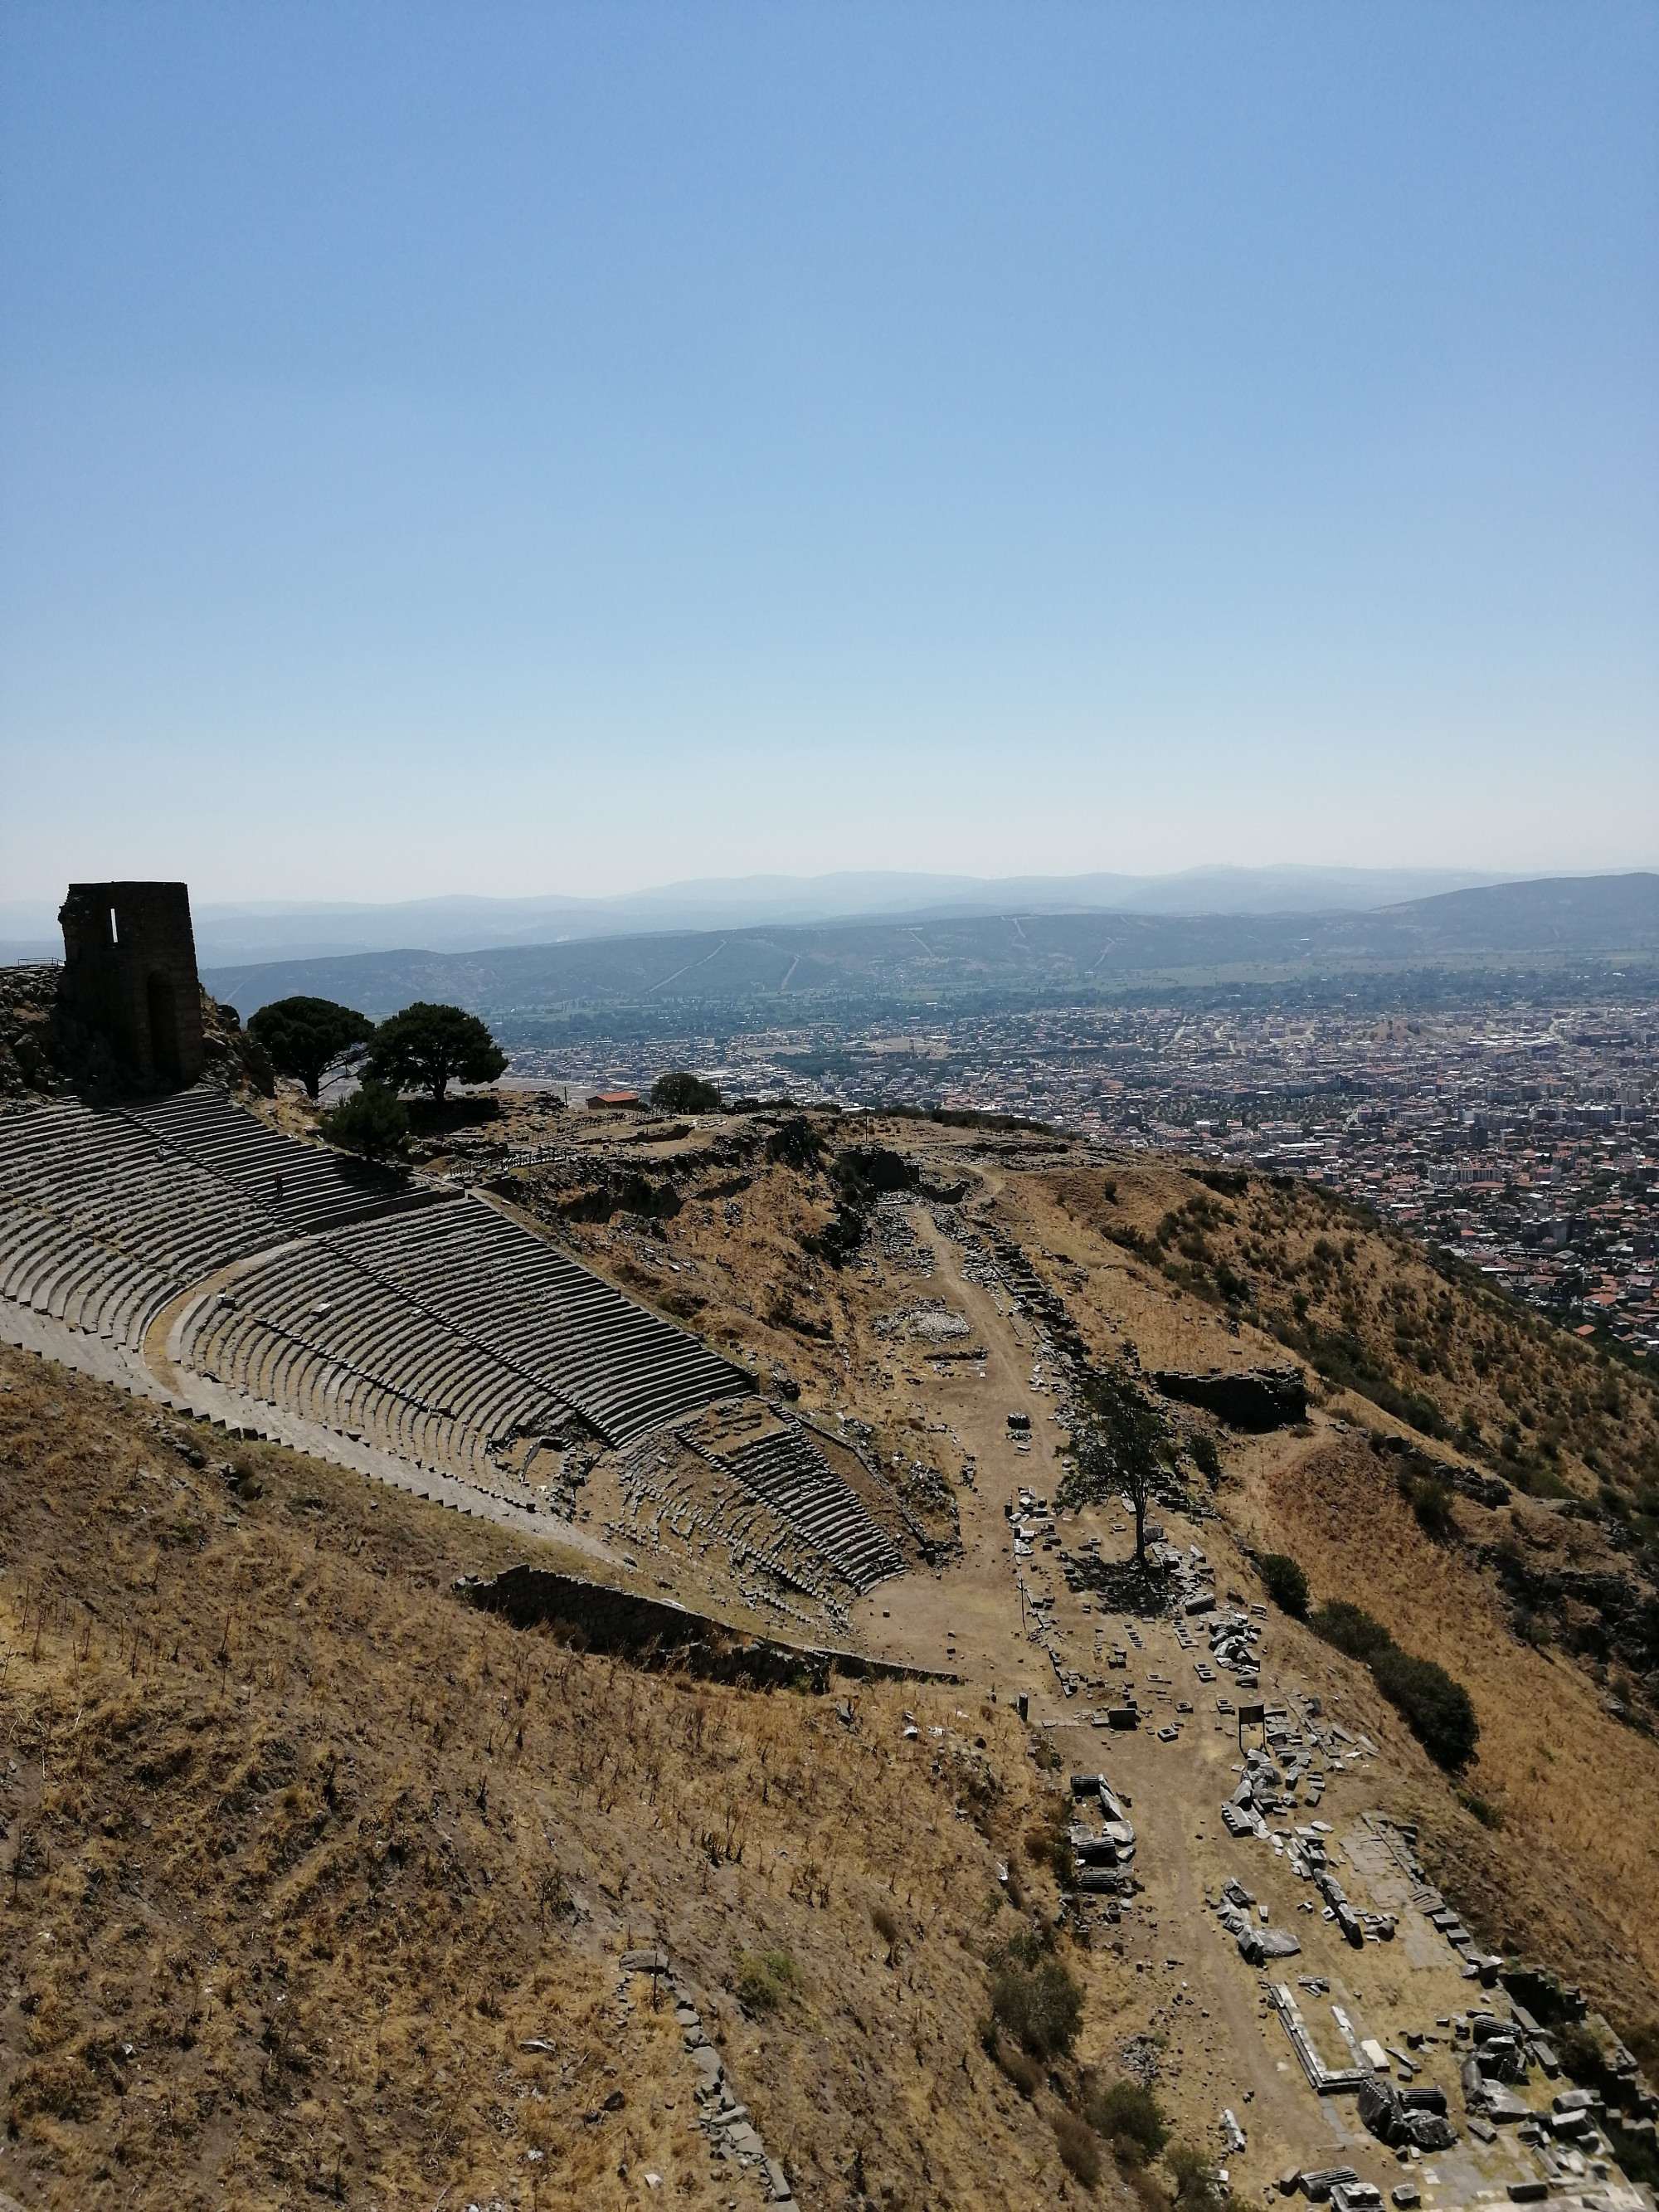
<point x="235" y="935"/>
<point x="725" y="977"/>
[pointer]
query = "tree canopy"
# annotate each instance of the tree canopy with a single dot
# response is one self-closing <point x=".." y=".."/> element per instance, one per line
<point x="372" y="1121"/>
<point x="304" y="1036"/>
<point x="680" y="1091"/>
<point x="428" y="1048"/>
<point x="1116" y="1449"/>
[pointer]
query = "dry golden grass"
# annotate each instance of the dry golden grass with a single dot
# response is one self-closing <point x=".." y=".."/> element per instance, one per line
<point x="389" y="1839"/>
<point x="299" y="1852"/>
<point x="1571" y="1875"/>
<point x="1307" y="1258"/>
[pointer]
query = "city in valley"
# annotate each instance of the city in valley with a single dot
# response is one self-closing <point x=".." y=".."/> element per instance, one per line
<point x="1523" y="1140"/>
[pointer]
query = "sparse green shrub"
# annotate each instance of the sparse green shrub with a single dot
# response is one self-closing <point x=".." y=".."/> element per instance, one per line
<point x="794" y="1143"/>
<point x="373" y="1121"/>
<point x="1195" y="2184"/>
<point x="765" y="1979"/>
<point x="1037" y="2005"/>
<point x="1205" y="1457"/>
<point x="1350" y="1628"/>
<point x="1579" y="2052"/>
<point x="1437" y="1710"/>
<point x="1080" y="2151"/>
<point x="1285" y="1582"/>
<point x="1128" y="2116"/>
<point x="1432" y="1509"/>
<point x="1488" y="1814"/>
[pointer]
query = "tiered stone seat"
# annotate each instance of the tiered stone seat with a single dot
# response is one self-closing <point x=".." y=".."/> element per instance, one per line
<point x="442" y="1332"/>
<point x="101" y="1224"/>
<point x="319" y="1189"/>
<point x="624" y="1369"/>
<point x="309" y="1329"/>
<point x="796" y="1480"/>
<point x="693" y="1499"/>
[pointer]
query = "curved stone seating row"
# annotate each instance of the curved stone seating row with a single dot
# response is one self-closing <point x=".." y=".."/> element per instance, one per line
<point x="624" y="1369"/>
<point x="445" y="1333"/>
<point x="305" y="1187"/>
<point x="698" y="1501"/>
<point x="441" y="1333"/>
<point x="786" y="1470"/>
<point x="100" y="1224"/>
<point x="308" y="1330"/>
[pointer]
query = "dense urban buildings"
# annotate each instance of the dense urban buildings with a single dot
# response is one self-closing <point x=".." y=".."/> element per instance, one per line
<point x="1526" y="1141"/>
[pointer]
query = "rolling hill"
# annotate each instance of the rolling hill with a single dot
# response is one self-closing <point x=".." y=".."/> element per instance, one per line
<point x="857" y="969"/>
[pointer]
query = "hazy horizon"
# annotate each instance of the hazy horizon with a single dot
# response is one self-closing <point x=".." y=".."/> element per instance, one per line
<point x="254" y="932"/>
<point x="536" y="451"/>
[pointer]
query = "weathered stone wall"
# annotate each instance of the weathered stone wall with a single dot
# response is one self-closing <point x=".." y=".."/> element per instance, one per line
<point x="653" y="1631"/>
<point x="130" y="977"/>
<point x="1257" y="1398"/>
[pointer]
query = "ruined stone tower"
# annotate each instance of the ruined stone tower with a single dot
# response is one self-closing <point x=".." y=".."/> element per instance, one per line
<point x="129" y="976"/>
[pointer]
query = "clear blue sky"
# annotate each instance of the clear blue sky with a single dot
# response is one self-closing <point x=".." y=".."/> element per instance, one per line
<point x="544" y="449"/>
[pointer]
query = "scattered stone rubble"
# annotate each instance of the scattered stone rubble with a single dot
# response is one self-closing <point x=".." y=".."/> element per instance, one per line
<point x="1406" y="2118"/>
<point x="1098" y="1853"/>
<point x="1478" y="1964"/>
<point x="731" y="2133"/>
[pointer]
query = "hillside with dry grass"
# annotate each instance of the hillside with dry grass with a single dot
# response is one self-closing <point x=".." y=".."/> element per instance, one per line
<point x="301" y="1854"/>
<point x="1545" y="1607"/>
<point x="319" y="1880"/>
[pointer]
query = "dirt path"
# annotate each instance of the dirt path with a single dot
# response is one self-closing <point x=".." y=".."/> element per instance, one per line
<point x="968" y="1617"/>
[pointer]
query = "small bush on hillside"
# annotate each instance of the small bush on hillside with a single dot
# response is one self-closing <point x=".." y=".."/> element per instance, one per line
<point x="1438" y="1710"/>
<point x="1206" y="1458"/>
<point x="1025" y="2073"/>
<point x="1431" y="1507"/>
<point x="1579" y="2052"/>
<point x="1128" y="2117"/>
<point x="1350" y="1629"/>
<point x="373" y="1121"/>
<point x="794" y="1143"/>
<point x="1285" y="1582"/>
<point x="765" y="1979"/>
<point x="1080" y="2151"/>
<point x="1039" y="2007"/>
<point x="1196" y="2185"/>
<point x="1488" y="1814"/>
